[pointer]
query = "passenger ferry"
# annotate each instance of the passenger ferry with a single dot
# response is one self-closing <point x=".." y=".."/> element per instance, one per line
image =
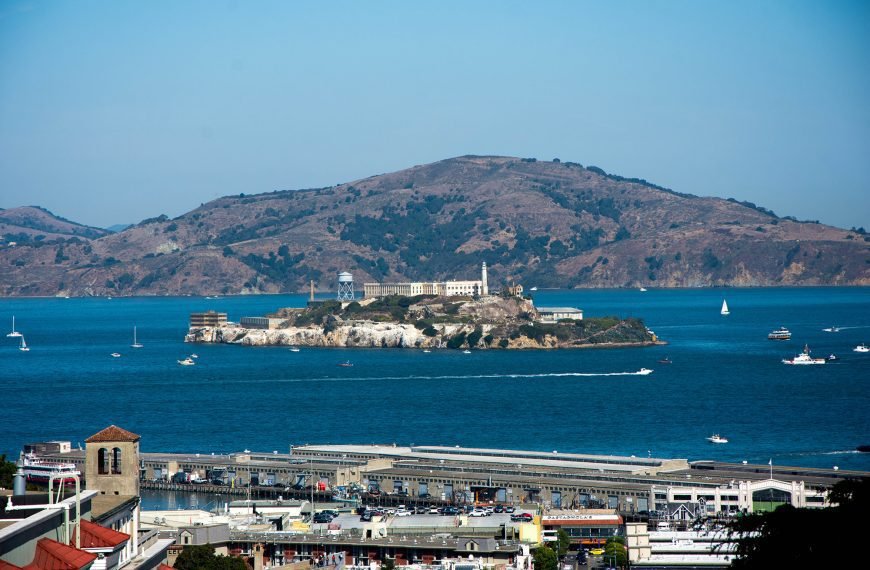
<point x="781" y="333"/>
<point x="40" y="470"/>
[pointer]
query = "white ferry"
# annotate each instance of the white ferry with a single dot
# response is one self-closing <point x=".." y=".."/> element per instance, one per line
<point x="38" y="470"/>
<point x="781" y="333"/>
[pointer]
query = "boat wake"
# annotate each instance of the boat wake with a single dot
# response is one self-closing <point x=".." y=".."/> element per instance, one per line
<point x="818" y="453"/>
<point x="641" y="372"/>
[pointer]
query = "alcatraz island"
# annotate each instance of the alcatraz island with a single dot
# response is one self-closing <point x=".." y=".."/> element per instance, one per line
<point x="448" y="314"/>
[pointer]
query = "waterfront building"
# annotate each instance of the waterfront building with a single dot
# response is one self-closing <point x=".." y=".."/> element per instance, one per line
<point x="266" y="323"/>
<point x="555" y="314"/>
<point x="440" y="288"/>
<point x="208" y="319"/>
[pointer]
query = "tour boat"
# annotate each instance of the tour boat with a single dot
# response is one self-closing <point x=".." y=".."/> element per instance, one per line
<point x="781" y="333"/>
<point x="40" y="470"/>
<point x="23" y="347"/>
<point x="14" y="332"/>
<point x="861" y="348"/>
<point x="725" y="310"/>
<point x="187" y="362"/>
<point x="804" y="358"/>
<point x="716" y="438"/>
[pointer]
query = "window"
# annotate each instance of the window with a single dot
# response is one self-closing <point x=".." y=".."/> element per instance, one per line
<point x="116" y="461"/>
<point x="103" y="461"/>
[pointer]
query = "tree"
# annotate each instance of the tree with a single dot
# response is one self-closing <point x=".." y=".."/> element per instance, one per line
<point x="564" y="542"/>
<point x="615" y="548"/>
<point x="203" y="558"/>
<point x="545" y="558"/>
<point x="796" y="538"/>
<point x="7" y="470"/>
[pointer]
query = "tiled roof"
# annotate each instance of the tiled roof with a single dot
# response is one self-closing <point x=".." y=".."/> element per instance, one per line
<point x="96" y="536"/>
<point x="53" y="555"/>
<point x="112" y="433"/>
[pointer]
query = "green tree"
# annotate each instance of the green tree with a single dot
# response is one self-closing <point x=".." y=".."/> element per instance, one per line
<point x="203" y="558"/>
<point x="614" y="549"/>
<point x="795" y="538"/>
<point x="564" y="542"/>
<point x="545" y="558"/>
<point x="7" y="470"/>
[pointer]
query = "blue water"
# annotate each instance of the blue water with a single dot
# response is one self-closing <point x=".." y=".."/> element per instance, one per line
<point x="726" y="377"/>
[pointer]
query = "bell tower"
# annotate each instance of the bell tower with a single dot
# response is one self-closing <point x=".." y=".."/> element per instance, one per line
<point x="112" y="462"/>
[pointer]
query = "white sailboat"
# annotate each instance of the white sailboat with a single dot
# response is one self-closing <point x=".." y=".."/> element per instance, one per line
<point x="14" y="332"/>
<point x="136" y="343"/>
<point x="725" y="310"/>
<point x="23" y="347"/>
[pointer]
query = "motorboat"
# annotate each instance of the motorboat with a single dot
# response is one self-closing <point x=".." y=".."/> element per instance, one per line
<point x="427" y="350"/>
<point x="804" y="358"/>
<point x="716" y="438"/>
<point x="116" y="355"/>
<point x="832" y="357"/>
<point x="533" y="289"/>
<point x="861" y="348"/>
<point x="466" y="352"/>
<point x="294" y="349"/>
<point x="665" y="360"/>
<point x="347" y="364"/>
<point x="832" y="329"/>
<point x="187" y="362"/>
<point x="644" y="371"/>
<point x="781" y="333"/>
<point x="194" y="356"/>
<point x="643" y="289"/>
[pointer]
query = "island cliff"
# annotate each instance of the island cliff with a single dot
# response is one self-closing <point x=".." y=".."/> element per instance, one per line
<point x="428" y="321"/>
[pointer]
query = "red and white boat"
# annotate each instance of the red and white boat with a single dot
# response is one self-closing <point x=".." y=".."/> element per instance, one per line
<point x="38" y="470"/>
<point x="804" y="358"/>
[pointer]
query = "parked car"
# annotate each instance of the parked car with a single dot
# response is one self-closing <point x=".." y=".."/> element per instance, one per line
<point x="498" y="509"/>
<point x="403" y="513"/>
<point x="366" y="516"/>
<point x="509" y="509"/>
<point x="478" y="513"/>
<point x="450" y="511"/>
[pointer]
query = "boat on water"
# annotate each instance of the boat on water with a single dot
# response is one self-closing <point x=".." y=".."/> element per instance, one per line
<point x="781" y="333"/>
<point x="427" y="350"/>
<point x="804" y="358"/>
<point x="861" y="348"/>
<point x="832" y="357"/>
<point x="863" y="448"/>
<point x="716" y="438"/>
<point x="187" y="362"/>
<point x="116" y="355"/>
<point x="665" y="360"/>
<point x="136" y="343"/>
<point x="466" y="352"/>
<point x="725" y="310"/>
<point x="533" y="289"/>
<point x="832" y="329"/>
<point x="194" y="355"/>
<point x="643" y="289"/>
<point x="14" y="332"/>
<point x="294" y="349"/>
<point x="346" y="364"/>
<point x="38" y="470"/>
<point x="23" y="346"/>
<point x="644" y="372"/>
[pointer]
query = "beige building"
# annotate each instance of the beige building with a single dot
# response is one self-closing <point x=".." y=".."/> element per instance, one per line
<point x="208" y="319"/>
<point x="442" y="288"/>
<point x="112" y="462"/>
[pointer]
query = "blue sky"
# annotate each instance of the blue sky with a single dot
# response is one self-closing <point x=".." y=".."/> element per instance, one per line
<point x="112" y="112"/>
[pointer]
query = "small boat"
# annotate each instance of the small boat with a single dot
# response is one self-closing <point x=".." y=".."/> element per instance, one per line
<point x="347" y="364"/>
<point x="116" y="355"/>
<point x="14" y="332"/>
<point x="804" y="358"/>
<point x="863" y="448"/>
<point x="643" y="289"/>
<point x="294" y="349"/>
<point x="194" y="356"/>
<point x="781" y="333"/>
<point x="861" y="348"/>
<point x="466" y="352"/>
<point x="23" y="347"/>
<point x="187" y="362"/>
<point x="832" y="357"/>
<point x="136" y="343"/>
<point x="533" y="289"/>
<point x="644" y="372"/>
<point x="716" y="438"/>
<point x="725" y="310"/>
<point x="665" y="360"/>
<point x="427" y="350"/>
<point x="832" y="329"/>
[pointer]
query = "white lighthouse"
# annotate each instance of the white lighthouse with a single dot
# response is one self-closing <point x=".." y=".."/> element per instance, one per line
<point x="483" y="284"/>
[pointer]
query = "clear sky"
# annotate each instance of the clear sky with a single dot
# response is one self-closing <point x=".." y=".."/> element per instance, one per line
<point x="115" y="111"/>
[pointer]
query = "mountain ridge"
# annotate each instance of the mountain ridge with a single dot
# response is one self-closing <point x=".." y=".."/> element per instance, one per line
<point x="549" y="224"/>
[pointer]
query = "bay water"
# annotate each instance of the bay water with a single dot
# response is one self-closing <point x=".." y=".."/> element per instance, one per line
<point x="724" y="377"/>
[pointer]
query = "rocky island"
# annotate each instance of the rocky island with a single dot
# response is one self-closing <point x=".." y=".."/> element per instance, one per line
<point x="427" y="321"/>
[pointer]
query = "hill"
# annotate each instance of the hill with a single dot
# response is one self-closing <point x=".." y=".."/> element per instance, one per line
<point x="34" y="223"/>
<point x="547" y="224"/>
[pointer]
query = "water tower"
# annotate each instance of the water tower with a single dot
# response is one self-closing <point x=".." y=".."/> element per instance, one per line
<point x="345" y="286"/>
